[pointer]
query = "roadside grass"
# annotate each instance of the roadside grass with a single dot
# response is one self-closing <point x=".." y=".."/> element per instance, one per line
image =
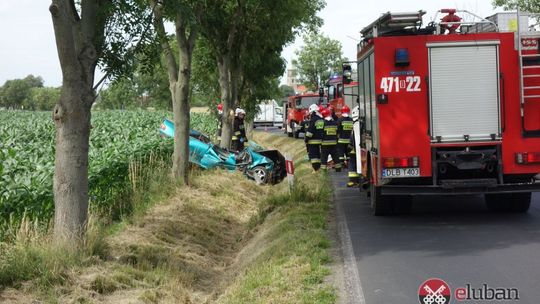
<point x="224" y="239"/>
<point x="28" y="254"/>
<point x="287" y="262"/>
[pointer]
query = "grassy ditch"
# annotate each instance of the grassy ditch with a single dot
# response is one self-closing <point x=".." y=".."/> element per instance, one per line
<point x="224" y="239"/>
<point x="287" y="260"/>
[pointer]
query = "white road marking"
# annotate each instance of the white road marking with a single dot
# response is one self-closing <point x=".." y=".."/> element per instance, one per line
<point x="350" y="268"/>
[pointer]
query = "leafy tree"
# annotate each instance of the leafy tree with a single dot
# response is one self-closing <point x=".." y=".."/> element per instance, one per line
<point x="120" y="94"/>
<point x="88" y="33"/>
<point x="43" y="99"/>
<point x="532" y="6"/>
<point x="317" y="59"/>
<point x="286" y="90"/>
<point x="183" y="13"/>
<point x="15" y="94"/>
<point x="33" y="81"/>
<point x="232" y="26"/>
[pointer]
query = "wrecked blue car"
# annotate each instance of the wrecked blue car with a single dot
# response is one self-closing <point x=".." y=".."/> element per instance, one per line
<point x="262" y="166"/>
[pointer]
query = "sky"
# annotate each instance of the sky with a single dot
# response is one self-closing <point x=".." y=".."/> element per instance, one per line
<point x="27" y="43"/>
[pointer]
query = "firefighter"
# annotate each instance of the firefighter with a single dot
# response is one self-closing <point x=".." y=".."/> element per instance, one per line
<point x="354" y="177"/>
<point x="314" y="135"/>
<point x="220" y="117"/>
<point x="329" y="142"/>
<point x="305" y="127"/>
<point x="239" y="132"/>
<point x="345" y="127"/>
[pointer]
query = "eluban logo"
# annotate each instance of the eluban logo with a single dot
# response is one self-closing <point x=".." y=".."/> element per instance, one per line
<point x="434" y="291"/>
<point x="437" y="291"/>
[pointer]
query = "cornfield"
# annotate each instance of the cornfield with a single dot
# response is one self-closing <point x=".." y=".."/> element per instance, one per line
<point x="117" y="140"/>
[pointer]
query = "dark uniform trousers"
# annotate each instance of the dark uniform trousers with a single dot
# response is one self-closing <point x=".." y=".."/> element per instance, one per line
<point x="314" y="135"/>
<point x="345" y="128"/>
<point x="329" y="146"/>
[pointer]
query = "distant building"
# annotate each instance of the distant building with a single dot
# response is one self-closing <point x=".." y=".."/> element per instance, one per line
<point x="292" y="81"/>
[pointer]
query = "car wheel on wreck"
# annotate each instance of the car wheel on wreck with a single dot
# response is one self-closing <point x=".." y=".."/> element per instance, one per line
<point x="260" y="175"/>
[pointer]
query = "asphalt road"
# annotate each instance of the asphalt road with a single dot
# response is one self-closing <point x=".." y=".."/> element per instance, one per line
<point x="455" y="239"/>
<point x="452" y="238"/>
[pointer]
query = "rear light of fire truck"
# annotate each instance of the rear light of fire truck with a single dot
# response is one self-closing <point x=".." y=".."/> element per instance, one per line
<point x="400" y="162"/>
<point x="528" y="158"/>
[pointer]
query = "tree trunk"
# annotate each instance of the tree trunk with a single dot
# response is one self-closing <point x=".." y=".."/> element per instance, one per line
<point x="70" y="184"/>
<point x="226" y="100"/>
<point x="182" y="118"/>
<point x="76" y="40"/>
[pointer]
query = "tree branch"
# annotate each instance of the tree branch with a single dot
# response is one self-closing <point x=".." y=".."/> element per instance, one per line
<point x="172" y="67"/>
<point x="62" y="17"/>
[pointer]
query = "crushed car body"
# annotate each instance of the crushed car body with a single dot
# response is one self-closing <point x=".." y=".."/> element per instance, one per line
<point x="262" y="166"/>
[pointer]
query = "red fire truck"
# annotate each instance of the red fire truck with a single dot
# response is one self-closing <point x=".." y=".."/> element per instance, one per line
<point x="340" y="93"/>
<point x="297" y="111"/>
<point x="455" y="113"/>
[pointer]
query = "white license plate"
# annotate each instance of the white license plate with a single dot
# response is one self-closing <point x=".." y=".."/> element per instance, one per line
<point x="400" y="172"/>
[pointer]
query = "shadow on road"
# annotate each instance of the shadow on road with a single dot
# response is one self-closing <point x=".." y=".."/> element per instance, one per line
<point x="438" y="225"/>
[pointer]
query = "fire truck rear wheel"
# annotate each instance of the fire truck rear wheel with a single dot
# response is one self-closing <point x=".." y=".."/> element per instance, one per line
<point x="380" y="204"/>
<point x="402" y="204"/>
<point x="508" y="202"/>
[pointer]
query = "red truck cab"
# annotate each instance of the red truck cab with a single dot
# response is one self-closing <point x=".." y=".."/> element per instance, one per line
<point x="297" y="112"/>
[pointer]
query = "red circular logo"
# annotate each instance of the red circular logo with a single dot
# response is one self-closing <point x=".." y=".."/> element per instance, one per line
<point x="434" y="291"/>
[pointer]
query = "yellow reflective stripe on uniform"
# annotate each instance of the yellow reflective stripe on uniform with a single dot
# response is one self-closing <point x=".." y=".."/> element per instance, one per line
<point x="237" y="133"/>
<point x="353" y="174"/>
<point x="319" y="124"/>
<point x="329" y="143"/>
<point x="309" y="134"/>
<point x="347" y="125"/>
<point x="315" y="160"/>
<point x="344" y="141"/>
<point x="323" y="167"/>
<point x="314" y="142"/>
<point x="330" y="130"/>
<point x="234" y="138"/>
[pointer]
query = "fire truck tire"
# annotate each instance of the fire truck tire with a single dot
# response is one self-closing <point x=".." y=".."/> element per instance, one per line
<point x="509" y="202"/>
<point x="402" y="204"/>
<point x="380" y="204"/>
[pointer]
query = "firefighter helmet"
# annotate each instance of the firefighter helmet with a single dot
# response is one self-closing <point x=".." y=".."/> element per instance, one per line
<point x="220" y="107"/>
<point x="313" y="108"/>
<point x="345" y="110"/>
<point x="326" y="113"/>
<point x="355" y="113"/>
<point x="239" y="111"/>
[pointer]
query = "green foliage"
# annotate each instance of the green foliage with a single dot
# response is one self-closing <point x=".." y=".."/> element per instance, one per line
<point x="286" y="91"/>
<point x="120" y="95"/>
<point x="118" y="138"/>
<point x="317" y="59"/>
<point x="16" y="93"/>
<point x="532" y="6"/>
<point x="42" y="99"/>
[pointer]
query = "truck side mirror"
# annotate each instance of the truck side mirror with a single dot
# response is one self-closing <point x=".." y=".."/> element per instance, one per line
<point x="347" y="73"/>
